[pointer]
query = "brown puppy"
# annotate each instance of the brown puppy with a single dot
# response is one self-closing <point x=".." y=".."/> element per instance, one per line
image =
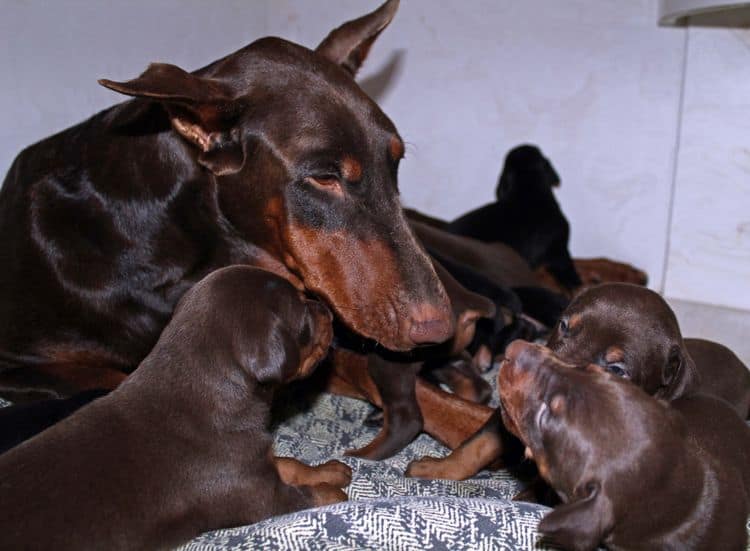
<point x="632" y="332"/>
<point x="181" y="447"/>
<point x="632" y="471"/>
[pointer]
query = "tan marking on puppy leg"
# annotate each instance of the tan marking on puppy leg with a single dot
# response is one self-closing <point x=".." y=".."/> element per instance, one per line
<point x="447" y="417"/>
<point x="295" y="473"/>
<point x="464" y="462"/>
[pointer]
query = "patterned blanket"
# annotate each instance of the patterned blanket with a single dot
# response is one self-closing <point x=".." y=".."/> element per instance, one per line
<point x="386" y="511"/>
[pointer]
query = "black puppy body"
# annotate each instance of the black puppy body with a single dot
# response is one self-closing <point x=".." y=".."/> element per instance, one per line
<point x="526" y="215"/>
<point x="22" y="421"/>
<point x="496" y="271"/>
<point x="676" y="476"/>
<point x="181" y="446"/>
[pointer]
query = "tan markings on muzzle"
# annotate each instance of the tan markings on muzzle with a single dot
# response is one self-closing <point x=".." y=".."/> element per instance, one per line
<point x="358" y="278"/>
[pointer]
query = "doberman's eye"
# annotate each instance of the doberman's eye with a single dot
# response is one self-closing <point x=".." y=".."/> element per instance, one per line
<point x="617" y="369"/>
<point x="330" y="182"/>
<point x="563" y="325"/>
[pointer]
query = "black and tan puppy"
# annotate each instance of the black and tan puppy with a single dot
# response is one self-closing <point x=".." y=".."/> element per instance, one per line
<point x="632" y="332"/>
<point x="181" y="447"/>
<point x="526" y="215"/>
<point x="633" y="472"/>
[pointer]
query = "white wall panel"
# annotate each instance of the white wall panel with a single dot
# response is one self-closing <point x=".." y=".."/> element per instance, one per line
<point x="709" y="258"/>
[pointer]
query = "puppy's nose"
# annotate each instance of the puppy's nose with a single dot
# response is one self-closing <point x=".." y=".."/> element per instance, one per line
<point x="517" y="349"/>
<point x="430" y="325"/>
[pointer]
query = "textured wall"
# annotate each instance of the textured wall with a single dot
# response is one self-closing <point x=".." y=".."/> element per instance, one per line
<point x="709" y="254"/>
<point x="594" y="82"/>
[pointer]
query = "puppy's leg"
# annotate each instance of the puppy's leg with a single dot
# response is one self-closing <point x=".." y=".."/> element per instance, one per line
<point x="295" y="473"/>
<point x="322" y="483"/>
<point x="325" y="494"/>
<point x="483" y="448"/>
<point x="449" y="418"/>
<point x="402" y="420"/>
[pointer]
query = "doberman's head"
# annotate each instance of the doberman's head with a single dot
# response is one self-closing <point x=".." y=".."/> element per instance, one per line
<point x="306" y="165"/>
<point x="599" y="440"/>
<point x="630" y="331"/>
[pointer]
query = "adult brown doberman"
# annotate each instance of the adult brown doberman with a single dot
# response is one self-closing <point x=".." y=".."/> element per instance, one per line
<point x="633" y="471"/>
<point x="182" y="446"/>
<point x="270" y="156"/>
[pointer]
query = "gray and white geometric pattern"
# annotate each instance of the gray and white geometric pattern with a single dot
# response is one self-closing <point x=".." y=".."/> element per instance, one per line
<point x="386" y="511"/>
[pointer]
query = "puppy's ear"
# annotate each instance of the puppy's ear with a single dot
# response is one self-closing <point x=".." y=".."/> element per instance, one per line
<point x="551" y="176"/>
<point x="271" y="360"/>
<point x="202" y="111"/>
<point x="582" y="524"/>
<point x="678" y="375"/>
<point x="505" y="183"/>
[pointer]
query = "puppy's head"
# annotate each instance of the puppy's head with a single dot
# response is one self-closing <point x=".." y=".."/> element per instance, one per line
<point x="260" y="321"/>
<point x="629" y="331"/>
<point x="526" y="166"/>
<point x="596" y="438"/>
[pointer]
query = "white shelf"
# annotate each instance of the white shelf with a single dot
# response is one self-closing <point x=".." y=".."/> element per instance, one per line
<point x="720" y="13"/>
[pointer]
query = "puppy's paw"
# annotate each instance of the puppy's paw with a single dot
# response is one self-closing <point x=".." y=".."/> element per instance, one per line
<point x="334" y="473"/>
<point x="326" y="494"/>
<point x="427" y="467"/>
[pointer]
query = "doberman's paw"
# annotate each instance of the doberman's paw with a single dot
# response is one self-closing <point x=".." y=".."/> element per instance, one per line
<point x="326" y="494"/>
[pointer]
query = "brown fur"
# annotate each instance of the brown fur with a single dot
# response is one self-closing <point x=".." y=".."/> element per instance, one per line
<point x="182" y="446"/>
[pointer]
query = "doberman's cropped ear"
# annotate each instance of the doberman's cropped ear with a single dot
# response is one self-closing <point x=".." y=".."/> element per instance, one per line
<point x="202" y="110"/>
<point x="580" y="525"/>
<point x="349" y="44"/>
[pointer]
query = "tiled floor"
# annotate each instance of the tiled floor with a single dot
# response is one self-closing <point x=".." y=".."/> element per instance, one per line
<point x="729" y="327"/>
